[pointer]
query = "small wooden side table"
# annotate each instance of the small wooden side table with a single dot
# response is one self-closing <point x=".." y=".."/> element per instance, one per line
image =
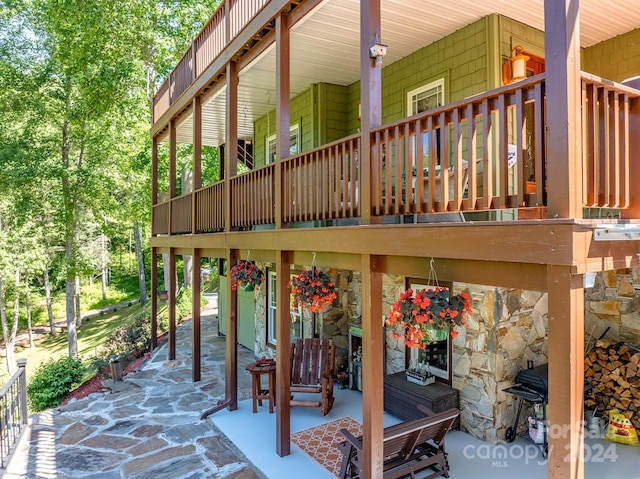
<point x="257" y="393"/>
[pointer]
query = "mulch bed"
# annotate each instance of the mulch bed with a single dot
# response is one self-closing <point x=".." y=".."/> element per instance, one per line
<point x="94" y="385"/>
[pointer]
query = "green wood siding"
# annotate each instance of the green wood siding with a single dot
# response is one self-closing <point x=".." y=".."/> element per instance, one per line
<point x="246" y="315"/>
<point x="616" y="59"/>
<point x="301" y="114"/>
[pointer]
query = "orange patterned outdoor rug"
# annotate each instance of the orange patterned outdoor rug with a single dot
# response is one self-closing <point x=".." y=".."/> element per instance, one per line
<point x="321" y="442"/>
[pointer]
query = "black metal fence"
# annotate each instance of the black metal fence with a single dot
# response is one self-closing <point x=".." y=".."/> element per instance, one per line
<point x="13" y="412"/>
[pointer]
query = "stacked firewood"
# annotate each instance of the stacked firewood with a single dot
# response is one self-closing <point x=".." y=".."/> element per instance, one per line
<point x="614" y="370"/>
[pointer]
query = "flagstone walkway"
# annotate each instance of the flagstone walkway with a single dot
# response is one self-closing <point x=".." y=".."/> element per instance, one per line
<point x="146" y="426"/>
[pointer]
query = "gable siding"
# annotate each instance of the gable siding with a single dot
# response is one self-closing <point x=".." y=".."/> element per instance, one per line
<point x="616" y="59"/>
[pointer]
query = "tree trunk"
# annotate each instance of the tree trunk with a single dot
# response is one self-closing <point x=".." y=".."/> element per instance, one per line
<point x="165" y="270"/>
<point x="27" y="303"/>
<point x="69" y="229"/>
<point x="76" y="298"/>
<point x="140" y="258"/>
<point x="14" y="327"/>
<point x="8" y="346"/>
<point x="47" y="293"/>
<point x="76" y="289"/>
<point x="69" y="296"/>
<point x="104" y="268"/>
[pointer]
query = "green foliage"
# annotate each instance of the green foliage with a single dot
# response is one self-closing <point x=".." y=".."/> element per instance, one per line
<point x="52" y="382"/>
<point x="184" y="301"/>
<point x="126" y="341"/>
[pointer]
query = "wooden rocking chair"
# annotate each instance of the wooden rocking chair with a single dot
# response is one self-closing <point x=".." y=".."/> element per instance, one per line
<point x="409" y="447"/>
<point x="312" y="370"/>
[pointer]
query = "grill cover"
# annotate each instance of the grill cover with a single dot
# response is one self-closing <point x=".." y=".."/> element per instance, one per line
<point x="535" y="378"/>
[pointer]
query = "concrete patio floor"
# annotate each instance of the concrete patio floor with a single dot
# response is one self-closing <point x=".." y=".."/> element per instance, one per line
<point x="149" y="426"/>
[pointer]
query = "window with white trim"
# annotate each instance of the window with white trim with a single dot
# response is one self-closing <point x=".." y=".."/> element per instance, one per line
<point x="272" y="316"/>
<point x="294" y="148"/>
<point x="427" y="97"/>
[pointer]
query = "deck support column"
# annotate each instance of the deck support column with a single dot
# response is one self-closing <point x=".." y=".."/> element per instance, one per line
<point x="173" y="140"/>
<point x="231" y="340"/>
<point x="231" y="141"/>
<point x="370" y="99"/>
<point x="566" y="373"/>
<point x="154" y="298"/>
<point x="564" y="121"/>
<point x="283" y="354"/>
<point x="372" y="368"/>
<point x="196" y="367"/>
<point x="197" y="160"/>
<point x="172" y="303"/>
<point x="283" y="107"/>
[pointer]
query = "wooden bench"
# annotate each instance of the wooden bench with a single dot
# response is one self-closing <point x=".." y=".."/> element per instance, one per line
<point x="312" y="369"/>
<point x="409" y="447"/>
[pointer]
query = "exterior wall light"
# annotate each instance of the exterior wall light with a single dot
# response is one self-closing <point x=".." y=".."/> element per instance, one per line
<point x="518" y="64"/>
<point x="378" y="51"/>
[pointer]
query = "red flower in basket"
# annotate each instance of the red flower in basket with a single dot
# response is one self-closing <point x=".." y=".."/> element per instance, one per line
<point x="245" y="274"/>
<point x="312" y="290"/>
<point x="416" y="317"/>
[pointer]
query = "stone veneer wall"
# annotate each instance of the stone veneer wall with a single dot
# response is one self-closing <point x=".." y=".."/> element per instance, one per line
<point x="614" y="302"/>
<point x="506" y="329"/>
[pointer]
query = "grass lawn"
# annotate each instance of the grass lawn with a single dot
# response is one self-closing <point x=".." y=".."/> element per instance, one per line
<point x="91" y="335"/>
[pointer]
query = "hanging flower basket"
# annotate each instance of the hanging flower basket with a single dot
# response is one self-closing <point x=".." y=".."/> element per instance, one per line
<point x="245" y="274"/>
<point x="312" y="290"/>
<point x="419" y="318"/>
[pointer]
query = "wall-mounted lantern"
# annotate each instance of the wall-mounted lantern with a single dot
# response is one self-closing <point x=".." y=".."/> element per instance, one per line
<point x="515" y="69"/>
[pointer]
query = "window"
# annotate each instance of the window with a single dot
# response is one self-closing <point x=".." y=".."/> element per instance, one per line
<point x="425" y="98"/>
<point x="272" y="319"/>
<point x="437" y="354"/>
<point x="270" y="147"/>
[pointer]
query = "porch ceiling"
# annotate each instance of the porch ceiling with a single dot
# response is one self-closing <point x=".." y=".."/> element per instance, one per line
<point x="324" y="47"/>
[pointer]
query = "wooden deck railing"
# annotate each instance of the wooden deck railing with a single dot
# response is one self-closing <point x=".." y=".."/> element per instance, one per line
<point x="160" y="219"/>
<point x="206" y="47"/>
<point x="210" y="206"/>
<point x="484" y="153"/>
<point x="335" y="167"/>
<point x="181" y="214"/>
<point x="606" y="142"/>
<point x="253" y="198"/>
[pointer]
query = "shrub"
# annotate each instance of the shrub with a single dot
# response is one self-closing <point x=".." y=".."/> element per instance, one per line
<point x="52" y="382"/>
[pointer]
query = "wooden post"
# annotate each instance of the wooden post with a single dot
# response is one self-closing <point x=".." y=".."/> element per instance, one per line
<point x="372" y="368"/>
<point x="173" y="140"/>
<point x="172" y="168"/>
<point x="197" y="159"/>
<point x="564" y="122"/>
<point x="283" y="111"/>
<point x="634" y="154"/>
<point x="231" y="140"/>
<point x="154" y="298"/>
<point x="370" y="98"/>
<point x="154" y="172"/>
<point x="196" y="367"/>
<point x="283" y="353"/>
<point x="172" y="303"/>
<point x="566" y="373"/>
<point x="231" y="362"/>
